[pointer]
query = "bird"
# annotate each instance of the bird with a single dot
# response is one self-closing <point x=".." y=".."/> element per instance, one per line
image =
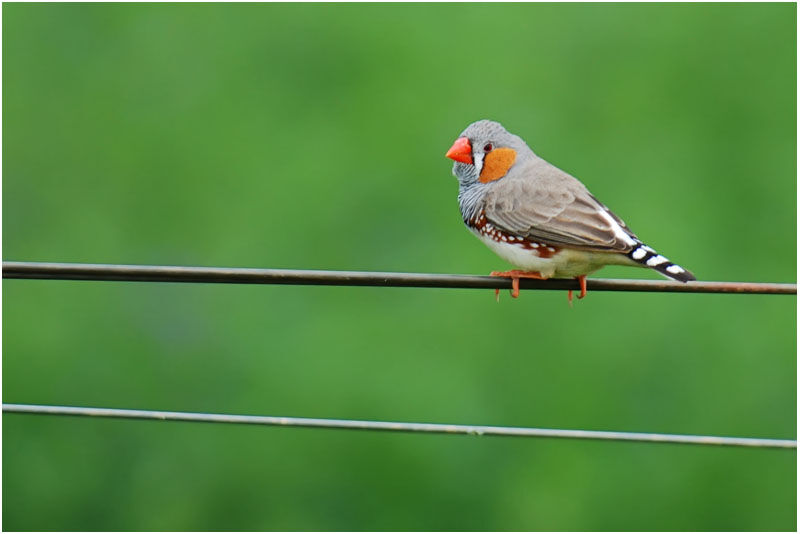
<point x="539" y="218"/>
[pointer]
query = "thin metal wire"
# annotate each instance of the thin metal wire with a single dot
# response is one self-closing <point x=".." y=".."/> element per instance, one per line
<point x="153" y="273"/>
<point x="432" y="428"/>
<point x="156" y="273"/>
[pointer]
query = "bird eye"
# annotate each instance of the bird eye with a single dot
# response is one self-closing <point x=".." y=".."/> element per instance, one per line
<point x="487" y="147"/>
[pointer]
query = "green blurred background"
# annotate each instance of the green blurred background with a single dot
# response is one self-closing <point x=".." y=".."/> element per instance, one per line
<point x="312" y="136"/>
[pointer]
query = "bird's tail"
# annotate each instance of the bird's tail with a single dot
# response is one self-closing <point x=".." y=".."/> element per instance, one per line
<point x="648" y="257"/>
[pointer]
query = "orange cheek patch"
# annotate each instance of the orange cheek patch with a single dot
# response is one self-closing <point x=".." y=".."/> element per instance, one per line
<point x="496" y="164"/>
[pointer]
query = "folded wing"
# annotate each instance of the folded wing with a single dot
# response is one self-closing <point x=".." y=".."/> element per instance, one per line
<point x="545" y="204"/>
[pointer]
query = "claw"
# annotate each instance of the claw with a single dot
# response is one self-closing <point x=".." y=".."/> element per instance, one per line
<point x="582" y="281"/>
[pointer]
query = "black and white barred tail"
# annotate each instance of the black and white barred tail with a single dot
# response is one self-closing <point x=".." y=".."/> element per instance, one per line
<point x="648" y="257"/>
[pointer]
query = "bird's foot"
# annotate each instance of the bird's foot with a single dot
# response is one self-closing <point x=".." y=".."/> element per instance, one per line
<point x="582" y="281"/>
<point x="515" y="275"/>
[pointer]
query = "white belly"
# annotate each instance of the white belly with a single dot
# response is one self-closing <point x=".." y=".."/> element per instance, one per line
<point x="564" y="263"/>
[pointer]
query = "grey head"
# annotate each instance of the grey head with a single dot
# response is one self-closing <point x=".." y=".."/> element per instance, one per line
<point x="475" y="142"/>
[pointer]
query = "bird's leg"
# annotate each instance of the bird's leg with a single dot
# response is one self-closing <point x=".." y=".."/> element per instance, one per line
<point x="515" y="275"/>
<point x="582" y="281"/>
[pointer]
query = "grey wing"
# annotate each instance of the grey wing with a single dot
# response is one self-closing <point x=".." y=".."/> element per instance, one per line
<point x="552" y="207"/>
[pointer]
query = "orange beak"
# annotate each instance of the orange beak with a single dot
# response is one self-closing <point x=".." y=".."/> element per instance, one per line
<point x="461" y="151"/>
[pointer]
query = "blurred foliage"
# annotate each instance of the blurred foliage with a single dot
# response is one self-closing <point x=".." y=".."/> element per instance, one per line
<point x="312" y="136"/>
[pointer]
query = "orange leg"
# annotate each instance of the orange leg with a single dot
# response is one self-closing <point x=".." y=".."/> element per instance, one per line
<point x="515" y="275"/>
<point x="582" y="281"/>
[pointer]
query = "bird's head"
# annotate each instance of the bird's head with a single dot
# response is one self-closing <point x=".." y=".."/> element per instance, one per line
<point x="485" y="152"/>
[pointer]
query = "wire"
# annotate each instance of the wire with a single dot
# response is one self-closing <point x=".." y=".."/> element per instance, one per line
<point x="224" y="275"/>
<point x="431" y="428"/>
<point x="154" y="273"/>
